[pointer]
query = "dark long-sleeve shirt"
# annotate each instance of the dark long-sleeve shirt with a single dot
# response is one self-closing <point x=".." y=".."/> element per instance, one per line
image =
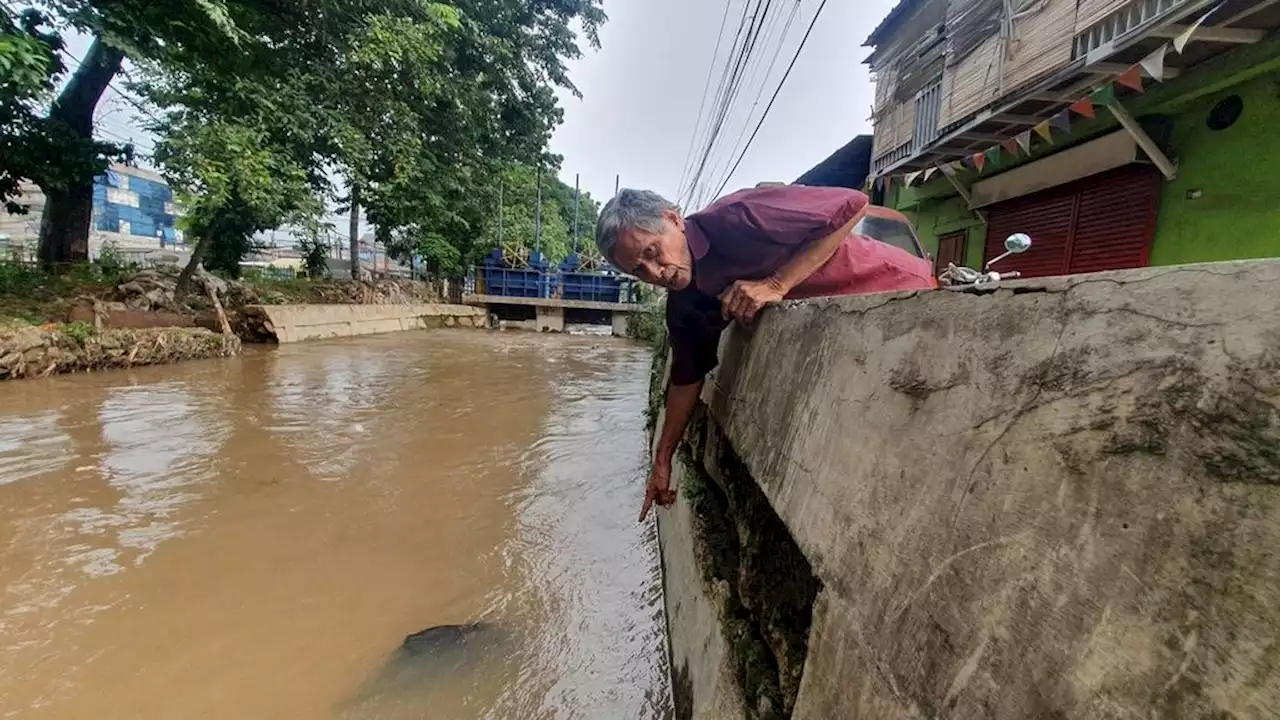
<point x="749" y="235"/>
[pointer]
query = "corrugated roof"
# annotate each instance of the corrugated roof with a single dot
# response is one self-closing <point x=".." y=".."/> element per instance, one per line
<point x="899" y="10"/>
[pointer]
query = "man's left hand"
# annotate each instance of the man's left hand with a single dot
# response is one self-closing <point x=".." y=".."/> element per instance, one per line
<point x="746" y="298"/>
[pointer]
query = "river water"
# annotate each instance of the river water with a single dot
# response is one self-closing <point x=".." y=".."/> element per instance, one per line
<point x="253" y="538"/>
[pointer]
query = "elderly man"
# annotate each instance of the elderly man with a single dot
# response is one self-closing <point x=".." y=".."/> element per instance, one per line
<point x="727" y="262"/>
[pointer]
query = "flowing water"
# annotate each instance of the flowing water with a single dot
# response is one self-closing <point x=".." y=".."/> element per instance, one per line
<point x="254" y="538"/>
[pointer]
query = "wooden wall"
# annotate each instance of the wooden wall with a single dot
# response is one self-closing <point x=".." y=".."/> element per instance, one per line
<point x="1041" y="44"/>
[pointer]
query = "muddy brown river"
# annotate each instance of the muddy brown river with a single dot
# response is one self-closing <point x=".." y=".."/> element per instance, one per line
<point x="253" y="538"/>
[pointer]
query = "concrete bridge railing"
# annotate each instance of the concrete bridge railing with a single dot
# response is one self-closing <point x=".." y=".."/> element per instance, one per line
<point x="1057" y="500"/>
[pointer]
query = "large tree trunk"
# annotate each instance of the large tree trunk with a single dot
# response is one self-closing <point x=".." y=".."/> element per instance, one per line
<point x="354" y="230"/>
<point x="68" y="210"/>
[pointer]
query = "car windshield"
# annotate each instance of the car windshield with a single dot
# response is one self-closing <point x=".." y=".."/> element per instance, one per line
<point x="890" y="231"/>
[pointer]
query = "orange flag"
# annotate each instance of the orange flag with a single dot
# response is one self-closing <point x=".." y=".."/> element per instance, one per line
<point x="1083" y="106"/>
<point x="1131" y="78"/>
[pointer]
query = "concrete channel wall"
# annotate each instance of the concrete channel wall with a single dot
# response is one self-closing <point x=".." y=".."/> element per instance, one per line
<point x="1057" y="500"/>
<point x="295" y="323"/>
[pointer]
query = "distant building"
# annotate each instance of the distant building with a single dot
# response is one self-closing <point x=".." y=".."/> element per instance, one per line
<point x="134" y="209"/>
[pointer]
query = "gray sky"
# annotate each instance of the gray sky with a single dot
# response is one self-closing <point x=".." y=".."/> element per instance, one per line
<point x="642" y="89"/>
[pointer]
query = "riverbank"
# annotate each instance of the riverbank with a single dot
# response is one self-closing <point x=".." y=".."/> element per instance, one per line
<point x="27" y="352"/>
<point x="91" y="317"/>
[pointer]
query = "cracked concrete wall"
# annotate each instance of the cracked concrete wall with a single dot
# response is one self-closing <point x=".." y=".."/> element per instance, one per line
<point x="1059" y="500"/>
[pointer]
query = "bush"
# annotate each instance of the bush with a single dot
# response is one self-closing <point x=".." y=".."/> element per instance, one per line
<point x="650" y="324"/>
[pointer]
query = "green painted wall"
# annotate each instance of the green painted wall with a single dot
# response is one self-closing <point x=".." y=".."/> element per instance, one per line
<point x="1237" y="173"/>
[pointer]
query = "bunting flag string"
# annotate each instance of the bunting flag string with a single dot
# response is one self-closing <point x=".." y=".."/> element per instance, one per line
<point x="1153" y="66"/>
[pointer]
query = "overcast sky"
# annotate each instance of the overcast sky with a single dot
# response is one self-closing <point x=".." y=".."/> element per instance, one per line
<point x="642" y="89"/>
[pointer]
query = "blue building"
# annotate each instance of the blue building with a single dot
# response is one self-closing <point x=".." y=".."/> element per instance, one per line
<point x="135" y="208"/>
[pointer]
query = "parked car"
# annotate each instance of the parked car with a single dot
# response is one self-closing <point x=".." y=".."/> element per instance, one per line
<point x="891" y="227"/>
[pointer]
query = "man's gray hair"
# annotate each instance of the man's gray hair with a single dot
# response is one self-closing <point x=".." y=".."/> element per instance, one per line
<point x="630" y="210"/>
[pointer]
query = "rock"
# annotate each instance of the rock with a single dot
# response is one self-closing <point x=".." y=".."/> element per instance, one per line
<point x="441" y="637"/>
<point x="450" y="321"/>
<point x="132" y="287"/>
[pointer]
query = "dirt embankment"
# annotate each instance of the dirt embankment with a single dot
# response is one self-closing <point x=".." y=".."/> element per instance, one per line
<point x="60" y="326"/>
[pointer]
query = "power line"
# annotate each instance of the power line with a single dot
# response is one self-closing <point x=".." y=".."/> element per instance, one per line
<point x="773" y="61"/>
<point x="803" y="41"/>
<point x="706" y="88"/>
<point x="731" y="83"/>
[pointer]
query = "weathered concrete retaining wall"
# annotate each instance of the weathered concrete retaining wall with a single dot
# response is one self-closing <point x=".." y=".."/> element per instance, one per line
<point x="1060" y="500"/>
<point x="295" y="323"/>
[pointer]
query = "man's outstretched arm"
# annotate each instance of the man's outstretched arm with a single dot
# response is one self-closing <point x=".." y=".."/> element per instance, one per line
<point x="680" y="402"/>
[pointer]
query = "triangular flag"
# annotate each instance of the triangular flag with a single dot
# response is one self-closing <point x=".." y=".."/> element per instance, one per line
<point x="980" y="161"/>
<point x="1084" y="107"/>
<point x="1010" y="146"/>
<point x="879" y="183"/>
<point x="1180" y="42"/>
<point x="1024" y="141"/>
<point x="1154" y="63"/>
<point x="1044" y="130"/>
<point x="1104" y="95"/>
<point x="928" y="173"/>
<point x="1062" y="121"/>
<point x="993" y="154"/>
<point x="1131" y="78"/>
<point x="969" y="162"/>
<point x="910" y="178"/>
<point x="949" y="169"/>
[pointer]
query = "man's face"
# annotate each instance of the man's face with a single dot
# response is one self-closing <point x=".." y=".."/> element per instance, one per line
<point x="661" y="259"/>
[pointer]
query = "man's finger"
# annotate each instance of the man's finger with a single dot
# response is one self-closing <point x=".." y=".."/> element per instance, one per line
<point x="648" y="503"/>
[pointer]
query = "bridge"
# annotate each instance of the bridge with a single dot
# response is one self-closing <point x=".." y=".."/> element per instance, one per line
<point x="525" y="291"/>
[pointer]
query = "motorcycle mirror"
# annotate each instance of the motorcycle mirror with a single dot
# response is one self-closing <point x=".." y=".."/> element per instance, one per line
<point x="1017" y="243"/>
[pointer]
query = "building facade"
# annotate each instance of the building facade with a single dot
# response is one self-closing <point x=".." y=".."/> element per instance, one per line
<point x="1117" y="133"/>
<point x="133" y="211"/>
<point x="134" y="208"/>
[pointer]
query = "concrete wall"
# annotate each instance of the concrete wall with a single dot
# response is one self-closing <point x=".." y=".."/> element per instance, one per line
<point x="294" y="323"/>
<point x="1055" y="501"/>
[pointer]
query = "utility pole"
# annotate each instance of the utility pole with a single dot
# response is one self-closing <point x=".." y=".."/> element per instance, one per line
<point x="354" y="233"/>
<point x="577" y="191"/>
<point x="616" y="180"/>
<point x="537" y="216"/>
<point x="501" y="180"/>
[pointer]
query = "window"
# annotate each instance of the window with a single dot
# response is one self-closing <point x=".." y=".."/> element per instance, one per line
<point x="928" y="117"/>
<point x="891" y="231"/>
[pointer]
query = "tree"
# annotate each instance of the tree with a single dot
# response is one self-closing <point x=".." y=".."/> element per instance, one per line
<point x="418" y="105"/>
<point x="63" y="138"/>
<point x="237" y="183"/>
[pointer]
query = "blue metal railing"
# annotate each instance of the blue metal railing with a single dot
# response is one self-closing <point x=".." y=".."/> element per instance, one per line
<point x="534" y="278"/>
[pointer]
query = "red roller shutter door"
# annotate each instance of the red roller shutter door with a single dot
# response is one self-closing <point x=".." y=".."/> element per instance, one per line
<point x="1104" y="222"/>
